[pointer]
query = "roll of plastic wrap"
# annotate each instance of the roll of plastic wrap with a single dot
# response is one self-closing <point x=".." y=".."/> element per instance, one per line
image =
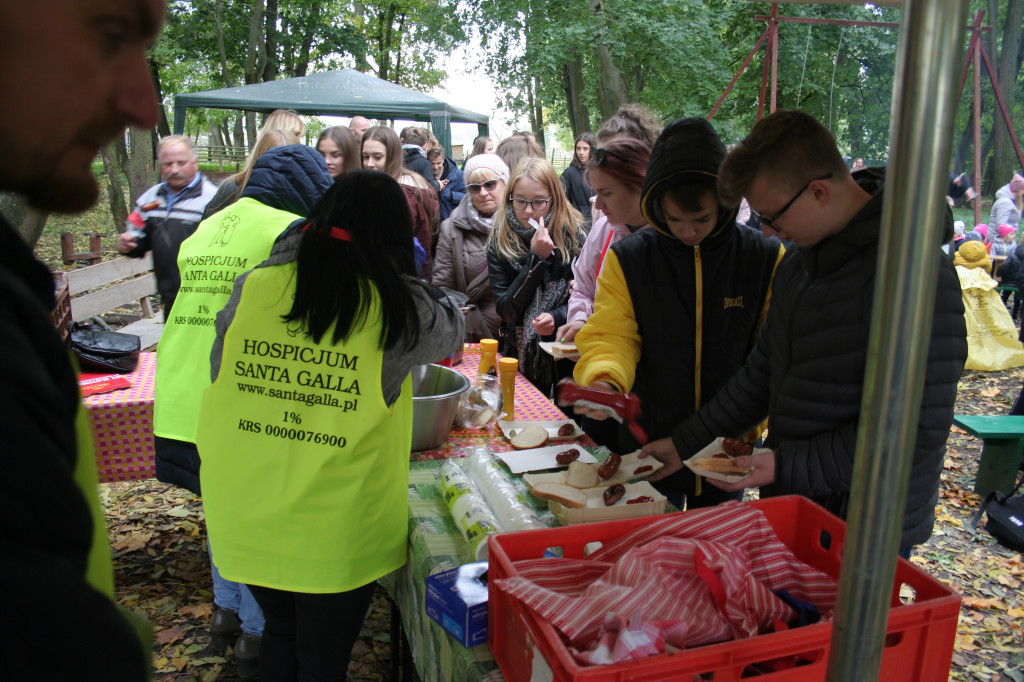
<point x="500" y="493"/>
<point x="470" y="511"/>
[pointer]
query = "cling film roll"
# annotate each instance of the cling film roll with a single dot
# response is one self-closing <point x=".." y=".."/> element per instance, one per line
<point x="507" y="502"/>
<point x="471" y="513"/>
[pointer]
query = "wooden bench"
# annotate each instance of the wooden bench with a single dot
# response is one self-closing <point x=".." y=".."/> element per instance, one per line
<point x="1001" y="451"/>
<point x="122" y="280"/>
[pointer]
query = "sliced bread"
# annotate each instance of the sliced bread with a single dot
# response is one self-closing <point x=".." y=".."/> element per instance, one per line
<point x="531" y="436"/>
<point x="561" y="493"/>
<point x="581" y="475"/>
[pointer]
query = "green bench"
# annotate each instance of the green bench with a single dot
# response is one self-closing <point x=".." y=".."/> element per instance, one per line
<point x="1001" y="451"/>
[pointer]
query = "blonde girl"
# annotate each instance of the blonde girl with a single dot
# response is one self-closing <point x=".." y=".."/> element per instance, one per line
<point x="536" y="237"/>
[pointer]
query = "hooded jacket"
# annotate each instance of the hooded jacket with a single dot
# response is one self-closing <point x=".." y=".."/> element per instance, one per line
<point x="460" y="264"/>
<point x="454" y="191"/>
<point x="414" y="159"/>
<point x="807" y="372"/>
<point x="285" y="183"/>
<point x="1004" y="210"/>
<point x="672" y="322"/>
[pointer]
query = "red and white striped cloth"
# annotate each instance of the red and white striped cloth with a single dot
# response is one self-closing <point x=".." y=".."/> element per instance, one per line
<point x="708" y="575"/>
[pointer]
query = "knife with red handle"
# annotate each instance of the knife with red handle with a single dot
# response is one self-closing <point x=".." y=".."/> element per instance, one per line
<point x="624" y="407"/>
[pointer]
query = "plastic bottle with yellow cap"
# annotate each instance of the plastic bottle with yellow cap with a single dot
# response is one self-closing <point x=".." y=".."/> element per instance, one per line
<point x="488" y="358"/>
<point x="507" y="368"/>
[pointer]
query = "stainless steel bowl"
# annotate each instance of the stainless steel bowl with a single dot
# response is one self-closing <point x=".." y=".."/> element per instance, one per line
<point x="436" y="391"/>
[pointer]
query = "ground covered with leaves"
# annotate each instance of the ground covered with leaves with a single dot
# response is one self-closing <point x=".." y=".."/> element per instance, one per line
<point x="162" y="567"/>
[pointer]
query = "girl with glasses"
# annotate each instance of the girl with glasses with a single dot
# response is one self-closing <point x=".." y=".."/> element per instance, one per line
<point x="530" y="266"/>
<point x="577" y="189"/>
<point x="460" y="260"/>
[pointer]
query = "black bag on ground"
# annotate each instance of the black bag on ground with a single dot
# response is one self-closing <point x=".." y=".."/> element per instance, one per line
<point x="103" y="351"/>
<point x="1005" y="517"/>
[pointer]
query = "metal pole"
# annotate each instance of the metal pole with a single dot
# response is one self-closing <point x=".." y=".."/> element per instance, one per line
<point x="774" y="41"/>
<point x="924" y="106"/>
<point x="977" y="118"/>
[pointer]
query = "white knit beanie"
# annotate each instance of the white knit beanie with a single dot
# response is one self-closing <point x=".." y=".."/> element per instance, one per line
<point x="491" y="162"/>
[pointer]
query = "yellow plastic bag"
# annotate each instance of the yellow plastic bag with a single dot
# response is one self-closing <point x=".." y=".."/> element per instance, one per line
<point x="992" y="343"/>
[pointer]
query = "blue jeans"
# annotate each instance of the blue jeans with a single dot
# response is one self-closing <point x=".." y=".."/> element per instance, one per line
<point x="237" y="597"/>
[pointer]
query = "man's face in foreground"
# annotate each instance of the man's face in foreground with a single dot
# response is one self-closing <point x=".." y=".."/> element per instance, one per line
<point x="73" y="76"/>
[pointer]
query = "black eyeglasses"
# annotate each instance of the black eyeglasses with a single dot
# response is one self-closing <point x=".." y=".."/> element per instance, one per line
<point x="475" y="187"/>
<point x="770" y="221"/>
<point x="536" y="204"/>
<point x="600" y="154"/>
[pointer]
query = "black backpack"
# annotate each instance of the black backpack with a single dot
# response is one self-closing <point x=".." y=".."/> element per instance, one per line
<point x="1005" y="517"/>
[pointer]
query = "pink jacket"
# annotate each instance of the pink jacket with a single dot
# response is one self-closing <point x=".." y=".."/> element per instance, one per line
<point x="588" y="266"/>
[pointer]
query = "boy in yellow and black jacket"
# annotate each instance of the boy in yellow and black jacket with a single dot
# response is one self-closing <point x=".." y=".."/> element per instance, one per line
<point x="678" y="307"/>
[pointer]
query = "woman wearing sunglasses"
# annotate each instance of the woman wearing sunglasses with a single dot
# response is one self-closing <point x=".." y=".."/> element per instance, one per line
<point x="537" y="235"/>
<point x="460" y="260"/>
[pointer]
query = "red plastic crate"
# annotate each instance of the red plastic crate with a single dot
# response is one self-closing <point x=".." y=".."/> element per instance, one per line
<point x="918" y="646"/>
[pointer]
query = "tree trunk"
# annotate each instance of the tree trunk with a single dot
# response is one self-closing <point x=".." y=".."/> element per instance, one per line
<point x="254" y="59"/>
<point x="963" y="146"/>
<point x="238" y="139"/>
<point x="162" y="125"/>
<point x="115" y="186"/>
<point x="138" y="163"/>
<point x="1004" y="160"/>
<point x="224" y="73"/>
<point x="254" y="62"/>
<point x="270" y="68"/>
<point x="536" y="112"/>
<point x="302" y="59"/>
<point x="612" y="91"/>
<point x="26" y="221"/>
<point x="384" y="44"/>
<point x="396" y="72"/>
<point x="359" y="50"/>
<point x="572" y="83"/>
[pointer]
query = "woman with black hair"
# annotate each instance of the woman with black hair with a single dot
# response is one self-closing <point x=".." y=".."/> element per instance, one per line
<point x="307" y="427"/>
<point x="577" y="189"/>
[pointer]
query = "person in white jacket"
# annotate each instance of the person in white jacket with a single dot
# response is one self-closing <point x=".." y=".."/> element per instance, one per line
<point x="1009" y="201"/>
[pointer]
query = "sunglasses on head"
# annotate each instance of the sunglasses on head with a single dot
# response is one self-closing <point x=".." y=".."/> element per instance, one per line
<point x="600" y="154"/>
<point x="474" y="188"/>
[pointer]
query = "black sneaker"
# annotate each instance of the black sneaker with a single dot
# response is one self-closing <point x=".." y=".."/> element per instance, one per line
<point x="224" y="628"/>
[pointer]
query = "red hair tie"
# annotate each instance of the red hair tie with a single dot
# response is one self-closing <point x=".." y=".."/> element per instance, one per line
<point x="336" y="232"/>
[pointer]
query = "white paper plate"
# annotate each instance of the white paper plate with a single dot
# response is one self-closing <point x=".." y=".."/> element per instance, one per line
<point x="596" y="510"/>
<point x="713" y="449"/>
<point x="538" y="459"/>
<point x="630" y="463"/>
<point x="508" y="428"/>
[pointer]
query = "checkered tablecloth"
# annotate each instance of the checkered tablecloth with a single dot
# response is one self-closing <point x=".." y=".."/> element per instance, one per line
<point x="122" y="426"/>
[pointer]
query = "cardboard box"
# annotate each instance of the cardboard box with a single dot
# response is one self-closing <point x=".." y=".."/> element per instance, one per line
<point x="457" y="601"/>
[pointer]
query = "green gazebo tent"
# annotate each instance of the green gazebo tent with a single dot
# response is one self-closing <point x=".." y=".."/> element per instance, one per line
<point x="335" y="93"/>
